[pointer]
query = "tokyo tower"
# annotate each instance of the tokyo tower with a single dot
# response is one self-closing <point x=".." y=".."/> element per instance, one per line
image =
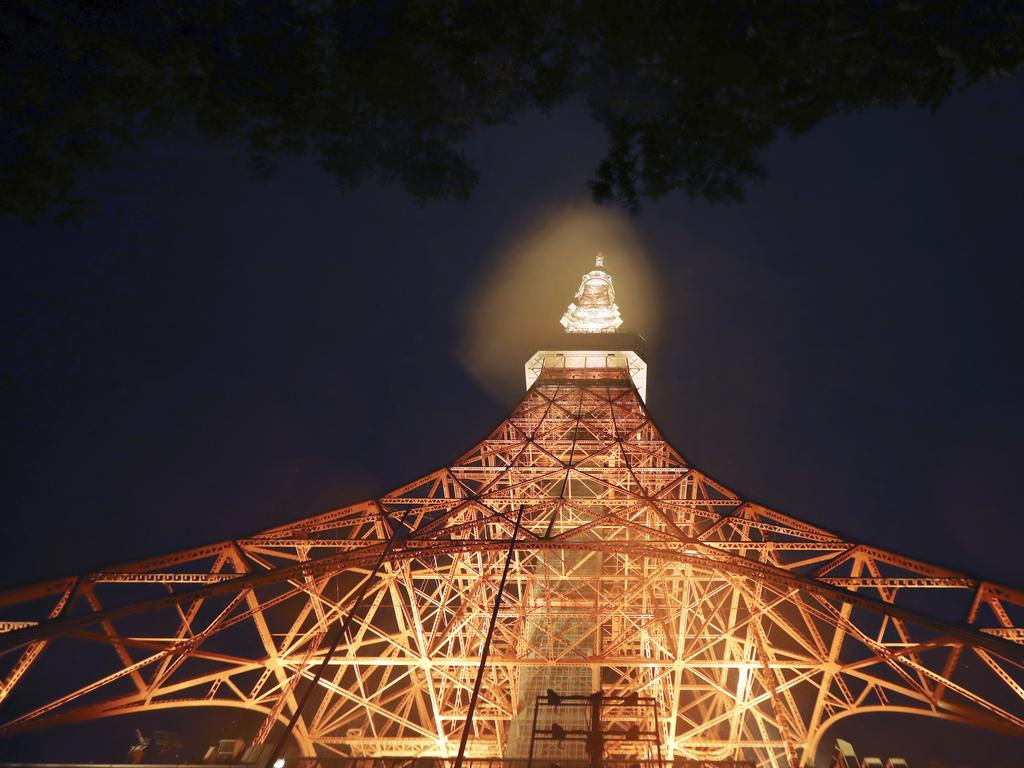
<point x="570" y="588"/>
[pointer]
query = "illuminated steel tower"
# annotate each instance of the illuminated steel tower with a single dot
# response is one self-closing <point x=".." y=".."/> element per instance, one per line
<point x="576" y="547"/>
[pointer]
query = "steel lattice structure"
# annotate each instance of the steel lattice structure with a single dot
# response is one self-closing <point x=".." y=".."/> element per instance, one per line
<point x="634" y="573"/>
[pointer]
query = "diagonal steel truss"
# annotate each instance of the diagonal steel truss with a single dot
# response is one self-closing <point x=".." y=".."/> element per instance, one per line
<point x="633" y="573"/>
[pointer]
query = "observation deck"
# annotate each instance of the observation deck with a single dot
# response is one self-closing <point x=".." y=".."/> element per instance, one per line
<point x="583" y="355"/>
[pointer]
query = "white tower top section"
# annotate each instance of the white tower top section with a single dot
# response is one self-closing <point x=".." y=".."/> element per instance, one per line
<point x="592" y="341"/>
<point x="594" y="310"/>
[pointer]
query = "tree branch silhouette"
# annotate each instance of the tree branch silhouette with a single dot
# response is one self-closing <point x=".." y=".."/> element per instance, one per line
<point x="689" y="94"/>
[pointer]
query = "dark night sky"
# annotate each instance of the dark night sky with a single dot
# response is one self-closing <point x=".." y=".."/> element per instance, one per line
<point x="211" y="354"/>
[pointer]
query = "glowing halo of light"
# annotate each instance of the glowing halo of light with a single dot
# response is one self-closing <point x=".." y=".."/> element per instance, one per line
<point x="534" y="273"/>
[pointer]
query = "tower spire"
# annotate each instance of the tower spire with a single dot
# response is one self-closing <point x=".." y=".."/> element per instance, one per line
<point x="594" y="310"/>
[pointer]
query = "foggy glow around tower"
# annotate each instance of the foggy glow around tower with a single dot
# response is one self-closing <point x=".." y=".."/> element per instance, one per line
<point x="532" y="275"/>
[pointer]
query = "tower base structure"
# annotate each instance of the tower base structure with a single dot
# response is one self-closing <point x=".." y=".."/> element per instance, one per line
<point x="634" y="573"/>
